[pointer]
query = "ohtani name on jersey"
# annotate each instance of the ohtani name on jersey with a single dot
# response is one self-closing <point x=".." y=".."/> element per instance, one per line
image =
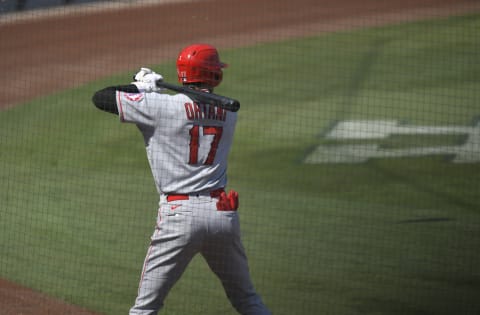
<point x="196" y="111"/>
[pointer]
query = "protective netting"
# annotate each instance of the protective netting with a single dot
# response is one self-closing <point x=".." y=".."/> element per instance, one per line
<point x="356" y="154"/>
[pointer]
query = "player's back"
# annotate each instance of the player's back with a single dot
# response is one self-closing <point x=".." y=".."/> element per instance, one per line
<point x="187" y="142"/>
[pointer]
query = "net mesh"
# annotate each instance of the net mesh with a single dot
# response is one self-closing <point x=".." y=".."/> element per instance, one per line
<point x="356" y="153"/>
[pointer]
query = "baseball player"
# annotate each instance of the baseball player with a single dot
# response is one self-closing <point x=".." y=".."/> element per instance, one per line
<point x="187" y="146"/>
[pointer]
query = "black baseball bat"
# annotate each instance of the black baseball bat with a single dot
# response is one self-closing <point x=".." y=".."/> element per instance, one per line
<point x="224" y="102"/>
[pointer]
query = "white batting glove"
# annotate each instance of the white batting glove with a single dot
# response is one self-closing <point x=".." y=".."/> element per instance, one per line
<point x="146" y="80"/>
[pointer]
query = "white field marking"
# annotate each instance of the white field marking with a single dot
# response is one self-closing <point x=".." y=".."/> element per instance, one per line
<point x="381" y="129"/>
<point x="468" y="152"/>
<point x="81" y="8"/>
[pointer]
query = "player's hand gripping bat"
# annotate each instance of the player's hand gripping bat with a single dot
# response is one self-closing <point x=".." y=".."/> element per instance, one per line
<point x="224" y="102"/>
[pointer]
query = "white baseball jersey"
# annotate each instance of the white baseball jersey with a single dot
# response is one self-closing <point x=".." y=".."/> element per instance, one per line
<point x="187" y="143"/>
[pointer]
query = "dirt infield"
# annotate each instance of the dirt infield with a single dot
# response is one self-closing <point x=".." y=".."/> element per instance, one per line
<point x="18" y="300"/>
<point x="43" y="54"/>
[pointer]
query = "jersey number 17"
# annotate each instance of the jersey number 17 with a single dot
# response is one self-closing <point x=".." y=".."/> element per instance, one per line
<point x="195" y="143"/>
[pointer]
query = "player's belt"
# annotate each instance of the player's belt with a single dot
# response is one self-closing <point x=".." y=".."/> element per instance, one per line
<point x="174" y="197"/>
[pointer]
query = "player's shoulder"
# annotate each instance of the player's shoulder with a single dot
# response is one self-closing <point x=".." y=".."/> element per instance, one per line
<point x="166" y="98"/>
<point x="166" y="105"/>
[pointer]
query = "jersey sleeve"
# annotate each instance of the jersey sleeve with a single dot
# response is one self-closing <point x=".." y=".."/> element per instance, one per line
<point x="137" y="108"/>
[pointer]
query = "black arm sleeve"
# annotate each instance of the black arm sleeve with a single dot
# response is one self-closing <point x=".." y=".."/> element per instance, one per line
<point x="105" y="98"/>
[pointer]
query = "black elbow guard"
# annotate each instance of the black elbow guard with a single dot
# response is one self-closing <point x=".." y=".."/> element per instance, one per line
<point x="105" y="100"/>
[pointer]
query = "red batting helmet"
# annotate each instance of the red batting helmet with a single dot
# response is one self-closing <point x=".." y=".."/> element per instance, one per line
<point x="200" y="63"/>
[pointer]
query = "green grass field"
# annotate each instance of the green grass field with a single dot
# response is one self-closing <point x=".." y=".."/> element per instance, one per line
<point x="387" y="236"/>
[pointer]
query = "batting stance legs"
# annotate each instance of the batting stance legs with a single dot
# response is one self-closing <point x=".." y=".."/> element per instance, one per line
<point x="185" y="228"/>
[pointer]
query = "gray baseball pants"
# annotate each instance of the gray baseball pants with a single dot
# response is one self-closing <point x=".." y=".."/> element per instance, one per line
<point x="185" y="228"/>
